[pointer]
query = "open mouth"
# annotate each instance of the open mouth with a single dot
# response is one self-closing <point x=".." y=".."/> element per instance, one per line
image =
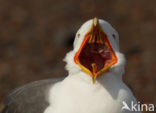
<point x="95" y="55"/>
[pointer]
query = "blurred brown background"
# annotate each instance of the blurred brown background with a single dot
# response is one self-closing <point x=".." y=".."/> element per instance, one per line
<point x="35" y="35"/>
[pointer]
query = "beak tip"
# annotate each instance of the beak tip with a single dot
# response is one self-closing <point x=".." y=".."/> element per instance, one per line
<point x="94" y="79"/>
<point x="95" y="21"/>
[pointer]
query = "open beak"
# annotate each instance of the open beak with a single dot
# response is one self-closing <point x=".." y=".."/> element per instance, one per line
<point x="95" y="55"/>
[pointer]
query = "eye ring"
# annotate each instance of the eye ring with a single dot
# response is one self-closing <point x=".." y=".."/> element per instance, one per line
<point x="78" y="35"/>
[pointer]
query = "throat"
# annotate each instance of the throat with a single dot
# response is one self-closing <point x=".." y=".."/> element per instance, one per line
<point x="94" y="53"/>
<point x="81" y="77"/>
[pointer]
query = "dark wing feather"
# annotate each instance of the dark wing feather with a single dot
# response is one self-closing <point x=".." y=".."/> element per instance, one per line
<point x="30" y="98"/>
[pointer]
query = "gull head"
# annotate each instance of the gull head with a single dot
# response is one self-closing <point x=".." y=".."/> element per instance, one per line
<point x="96" y="50"/>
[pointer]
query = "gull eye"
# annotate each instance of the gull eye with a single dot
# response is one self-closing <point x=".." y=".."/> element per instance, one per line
<point x="114" y="36"/>
<point x="78" y="35"/>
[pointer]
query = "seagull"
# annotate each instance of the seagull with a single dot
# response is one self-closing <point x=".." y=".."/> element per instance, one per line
<point x="94" y="83"/>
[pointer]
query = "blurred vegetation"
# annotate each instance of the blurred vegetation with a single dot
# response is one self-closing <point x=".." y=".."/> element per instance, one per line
<point x="35" y="35"/>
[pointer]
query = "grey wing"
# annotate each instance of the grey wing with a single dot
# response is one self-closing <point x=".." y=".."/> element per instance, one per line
<point x="30" y="98"/>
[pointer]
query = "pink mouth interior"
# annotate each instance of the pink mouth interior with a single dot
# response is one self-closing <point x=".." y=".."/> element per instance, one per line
<point x="97" y="53"/>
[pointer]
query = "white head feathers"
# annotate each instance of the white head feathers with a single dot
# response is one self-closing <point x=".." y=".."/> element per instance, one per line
<point x="113" y="38"/>
<point x="106" y="27"/>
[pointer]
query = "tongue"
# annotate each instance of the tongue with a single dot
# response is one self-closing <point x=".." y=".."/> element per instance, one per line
<point x="94" y="69"/>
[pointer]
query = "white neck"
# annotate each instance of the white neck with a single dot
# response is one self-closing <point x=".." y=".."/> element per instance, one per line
<point x="115" y="71"/>
<point x="102" y="79"/>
